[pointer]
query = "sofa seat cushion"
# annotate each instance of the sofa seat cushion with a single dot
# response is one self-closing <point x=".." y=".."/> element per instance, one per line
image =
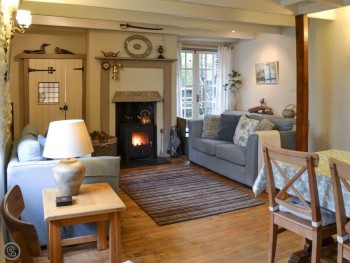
<point x="231" y="152"/>
<point x="206" y="145"/>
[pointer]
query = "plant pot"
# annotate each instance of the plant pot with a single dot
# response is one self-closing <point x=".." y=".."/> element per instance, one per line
<point x="233" y="101"/>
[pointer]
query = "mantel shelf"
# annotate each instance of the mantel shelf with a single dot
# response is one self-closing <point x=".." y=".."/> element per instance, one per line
<point x="135" y="59"/>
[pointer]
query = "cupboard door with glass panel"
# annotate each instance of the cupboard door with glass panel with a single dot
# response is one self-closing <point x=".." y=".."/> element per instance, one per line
<point x="55" y="90"/>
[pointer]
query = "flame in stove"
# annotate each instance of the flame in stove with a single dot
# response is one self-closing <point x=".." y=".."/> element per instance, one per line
<point x="136" y="140"/>
<point x="139" y="138"/>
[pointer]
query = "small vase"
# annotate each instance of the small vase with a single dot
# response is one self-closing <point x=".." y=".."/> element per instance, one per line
<point x="68" y="175"/>
<point x="233" y="101"/>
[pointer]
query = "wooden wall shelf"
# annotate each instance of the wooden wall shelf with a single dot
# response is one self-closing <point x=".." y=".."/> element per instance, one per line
<point x="135" y="59"/>
<point x="51" y="56"/>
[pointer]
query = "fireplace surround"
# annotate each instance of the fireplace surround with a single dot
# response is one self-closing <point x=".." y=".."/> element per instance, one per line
<point x="165" y="65"/>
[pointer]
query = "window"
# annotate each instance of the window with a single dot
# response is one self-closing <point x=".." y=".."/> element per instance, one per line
<point x="198" y="83"/>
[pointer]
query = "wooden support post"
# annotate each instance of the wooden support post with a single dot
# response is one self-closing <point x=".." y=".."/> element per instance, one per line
<point x="302" y="122"/>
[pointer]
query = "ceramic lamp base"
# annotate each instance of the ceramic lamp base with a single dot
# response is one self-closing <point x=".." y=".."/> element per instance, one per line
<point x="69" y="174"/>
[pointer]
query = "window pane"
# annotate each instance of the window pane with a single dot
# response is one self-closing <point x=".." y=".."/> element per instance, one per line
<point x="189" y="60"/>
<point x="209" y="61"/>
<point x="183" y="59"/>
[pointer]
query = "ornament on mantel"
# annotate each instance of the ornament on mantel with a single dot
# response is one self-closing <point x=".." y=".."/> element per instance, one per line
<point x="42" y="50"/>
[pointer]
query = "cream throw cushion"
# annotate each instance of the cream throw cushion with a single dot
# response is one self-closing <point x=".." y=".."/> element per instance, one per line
<point x="265" y="125"/>
<point x="211" y="126"/>
<point x="245" y="127"/>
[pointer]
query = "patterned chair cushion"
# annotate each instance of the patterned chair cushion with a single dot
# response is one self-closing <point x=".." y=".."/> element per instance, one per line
<point x="328" y="216"/>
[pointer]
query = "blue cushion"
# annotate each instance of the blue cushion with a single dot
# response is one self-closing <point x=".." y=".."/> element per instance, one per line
<point x="29" y="149"/>
<point x="328" y="216"/>
<point x="228" y="126"/>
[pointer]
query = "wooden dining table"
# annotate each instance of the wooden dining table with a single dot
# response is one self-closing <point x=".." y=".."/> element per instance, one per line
<point x="324" y="185"/>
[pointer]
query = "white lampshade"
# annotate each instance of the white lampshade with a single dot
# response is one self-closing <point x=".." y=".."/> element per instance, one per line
<point x="24" y="18"/>
<point x="67" y="139"/>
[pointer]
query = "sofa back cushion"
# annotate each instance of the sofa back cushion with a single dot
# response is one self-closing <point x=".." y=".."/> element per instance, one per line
<point x="228" y="126"/>
<point x="30" y="129"/>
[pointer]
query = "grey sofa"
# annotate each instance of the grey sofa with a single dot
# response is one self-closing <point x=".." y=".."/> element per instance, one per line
<point x="221" y="155"/>
<point x="35" y="173"/>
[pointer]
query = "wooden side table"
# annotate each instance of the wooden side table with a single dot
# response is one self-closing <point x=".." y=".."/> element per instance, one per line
<point x="95" y="203"/>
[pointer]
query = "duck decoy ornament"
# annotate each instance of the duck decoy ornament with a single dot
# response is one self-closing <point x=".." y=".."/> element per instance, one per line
<point x="38" y="51"/>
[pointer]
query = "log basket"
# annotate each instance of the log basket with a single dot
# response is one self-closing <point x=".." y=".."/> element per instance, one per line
<point x="104" y="144"/>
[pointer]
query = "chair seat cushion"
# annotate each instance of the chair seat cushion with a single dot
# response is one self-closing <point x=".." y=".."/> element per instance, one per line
<point x="328" y="216"/>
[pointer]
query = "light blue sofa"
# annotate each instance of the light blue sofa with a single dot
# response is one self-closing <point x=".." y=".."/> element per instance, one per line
<point x="34" y="175"/>
<point x="228" y="159"/>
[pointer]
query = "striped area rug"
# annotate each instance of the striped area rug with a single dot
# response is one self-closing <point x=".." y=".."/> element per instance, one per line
<point x="174" y="195"/>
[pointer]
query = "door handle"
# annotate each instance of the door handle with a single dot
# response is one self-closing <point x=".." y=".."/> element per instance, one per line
<point x="198" y="98"/>
<point x="64" y="108"/>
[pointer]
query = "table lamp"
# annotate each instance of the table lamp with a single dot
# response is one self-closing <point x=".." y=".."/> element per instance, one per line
<point x="66" y="140"/>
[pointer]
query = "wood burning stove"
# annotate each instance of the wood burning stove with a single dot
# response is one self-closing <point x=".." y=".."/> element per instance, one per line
<point x="138" y="140"/>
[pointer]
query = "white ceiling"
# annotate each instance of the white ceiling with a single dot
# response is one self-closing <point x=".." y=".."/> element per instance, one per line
<point x="196" y="18"/>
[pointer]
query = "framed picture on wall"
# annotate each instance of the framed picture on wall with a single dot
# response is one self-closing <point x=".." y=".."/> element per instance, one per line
<point x="266" y="73"/>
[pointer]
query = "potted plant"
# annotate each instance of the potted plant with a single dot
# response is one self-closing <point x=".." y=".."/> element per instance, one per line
<point x="235" y="83"/>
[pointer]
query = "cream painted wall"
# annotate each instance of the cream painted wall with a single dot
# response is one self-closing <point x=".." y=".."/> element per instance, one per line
<point x="72" y="41"/>
<point x="329" y="82"/>
<point x="131" y="79"/>
<point x="90" y="43"/>
<point x="267" y="48"/>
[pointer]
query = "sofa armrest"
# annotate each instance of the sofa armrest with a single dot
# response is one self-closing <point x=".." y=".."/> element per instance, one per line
<point x="288" y="140"/>
<point x="251" y="159"/>
<point x="195" y="128"/>
<point x="194" y="131"/>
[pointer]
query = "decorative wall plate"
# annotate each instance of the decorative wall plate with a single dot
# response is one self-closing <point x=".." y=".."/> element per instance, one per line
<point x="138" y="46"/>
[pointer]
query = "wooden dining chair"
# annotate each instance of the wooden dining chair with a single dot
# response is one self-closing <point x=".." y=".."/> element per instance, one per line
<point x="22" y="233"/>
<point x="294" y="213"/>
<point x="340" y="173"/>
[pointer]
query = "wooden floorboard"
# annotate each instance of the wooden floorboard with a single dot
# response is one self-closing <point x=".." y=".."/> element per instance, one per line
<point x="238" y="236"/>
